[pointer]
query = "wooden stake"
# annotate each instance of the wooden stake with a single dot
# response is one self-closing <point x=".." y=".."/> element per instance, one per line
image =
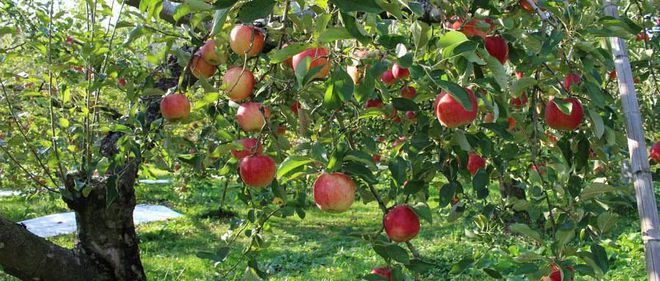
<point x="646" y="205"/>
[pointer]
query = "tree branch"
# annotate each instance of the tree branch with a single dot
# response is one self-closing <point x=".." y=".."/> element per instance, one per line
<point x="29" y="257"/>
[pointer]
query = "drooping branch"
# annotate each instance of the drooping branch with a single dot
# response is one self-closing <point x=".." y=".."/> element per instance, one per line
<point x="29" y="257"/>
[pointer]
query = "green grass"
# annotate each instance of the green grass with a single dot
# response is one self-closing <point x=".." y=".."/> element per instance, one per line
<point x="314" y="248"/>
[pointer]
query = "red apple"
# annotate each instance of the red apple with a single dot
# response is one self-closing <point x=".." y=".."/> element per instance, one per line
<point x="385" y="272"/>
<point x="408" y="92"/>
<point x="280" y="131"/>
<point x="250" y="118"/>
<point x="655" y="152"/>
<point x="376" y="157"/>
<point x="526" y="6"/>
<point x="69" y="40"/>
<point x="387" y="77"/>
<point x="497" y="47"/>
<point x="478" y="27"/>
<point x="538" y="168"/>
<point x="200" y="68"/>
<point x="246" y="40"/>
<point x="251" y="146"/>
<point x="175" y="107"/>
<point x="374" y="103"/>
<point x="295" y="106"/>
<point x="411" y="115"/>
<point x="451" y="113"/>
<point x="396" y="119"/>
<point x="121" y="82"/>
<point x="319" y="58"/>
<point x="642" y="36"/>
<point x="557" y="274"/>
<point x="572" y="79"/>
<point x="334" y="192"/>
<point x="512" y="123"/>
<point x="400" y="72"/>
<point x="489" y="117"/>
<point x="257" y="170"/>
<point x="238" y="83"/>
<point x="613" y="74"/>
<point x="401" y="223"/>
<point x="454" y="23"/>
<point x="519" y="101"/>
<point x="560" y="121"/>
<point x="209" y="53"/>
<point x="475" y="162"/>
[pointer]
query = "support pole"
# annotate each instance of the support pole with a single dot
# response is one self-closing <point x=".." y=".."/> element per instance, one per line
<point x="646" y="204"/>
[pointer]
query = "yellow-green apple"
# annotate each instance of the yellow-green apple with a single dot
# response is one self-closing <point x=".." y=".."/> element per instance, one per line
<point x="250" y="117"/>
<point x="560" y="121"/>
<point x="200" y="68"/>
<point x="401" y="223"/>
<point x="175" y="107"/>
<point x="319" y="57"/>
<point x="238" y="83"/>
<point x="257" y="170"/>
<point x="246" y="40"/>
<point x="251" y="146"/>
<point x="451" y="113"/>
<point x="334" y="192"/>
<point x="475" y="162"/>
<point x="497" y="47"/>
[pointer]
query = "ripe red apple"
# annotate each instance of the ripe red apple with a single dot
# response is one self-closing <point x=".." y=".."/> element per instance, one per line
<point x="613" y="74"/>
<point x="642" y="36"/>
<point x="451" y="113"/>
<point x="489" y="117"/>
<point x="209" y="53"/>
<point x="526" y="6"/>
<point x="454" y="23"/>
<point x="572" y="79"/>
<point x="376" y="157"/>
<point x="250" y="118"/>
<point x="655" y="152"/>
<point x="519" y="101"/>
<point x="175" y="107"/>
<point x="400" y="72"/>
<point x="121" y="82"/>
<point x="560" y="121"/>
<point x="319" y="58"/>
<point x="200" y="68"/>
<point x="497" y="47"/>
<point x="408" y="92"/>
<point x="401" y="223"/>
<point x="478" y="27"/>
<point x="246" y="40"/>
<point x="512" y="123"/>
<point x="387" y="77"/>
<point x="280" y="131"/>
<point x="295" y="106"/>
<point x="411" y="115"/>
<point x="251" y="146"/>
<point x="385" y="272"/>
<point x="69" y="40"/>
<point x="334" y="192"/>
<point x="374" y="103"/>
<point x="238" y="83"/>
<point x="396" y="119"/>
<point x="557" y="274"/>
<point x="539" y="168"/>
<point x="355" y="73"/>
<point x="475" y="162"/>
<point x="257" y="170"/>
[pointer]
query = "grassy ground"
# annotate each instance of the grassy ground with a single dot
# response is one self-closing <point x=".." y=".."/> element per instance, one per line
<point x="315" y="248"/>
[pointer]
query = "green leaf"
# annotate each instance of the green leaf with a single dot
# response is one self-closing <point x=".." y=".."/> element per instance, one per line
<point x="191" y="6"/>
<point x="366" y="88"/>
<point x="420" y="33"/>
<point x="219" y="19"/>
<point x="361" y="157"/>
<point x="224" y="4"/>
<point x="398" y="167"/>
<point x="564" y="107"/>
<point x="456" y="91"/>
<point x="498" y="70"/>
<point x="447" y="192"/>
<point x="255" y="9"/>
<point x="423" y="211"/>
<point x="369" y="6"/>
<point x="526" y="231"/>
<point x="280" y="55"/>
<point x="292" y="163"/>
<point x="461" y="140"/>
<point x="302" y="68"/>
<point x="419" y="266"/>
<point x="404" y="104"/>
<point x="354" y="29"/>
<point x="620" y="23"/>
<point x="333" y="34"/>
<point x="606" y="221"/>
<point x="600" y="257"/>
<point x="461" y="266"/>
<point x="218" y="256"/>
<point x="522" y="84"/>
<point x="458" y="49"/>
<point x="398" y="254"/>
<point x="499" y="129"/>
<point x="594" y="189"/>
<point x="480" y="183"/>
<point x="135" y="33"/>
<point x="451" y="38"/>
<point x="493" y="273"/>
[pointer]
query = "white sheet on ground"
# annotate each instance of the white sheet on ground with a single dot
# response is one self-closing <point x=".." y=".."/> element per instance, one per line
<point x="65" y="223"/>
<point x="7" y="193"/>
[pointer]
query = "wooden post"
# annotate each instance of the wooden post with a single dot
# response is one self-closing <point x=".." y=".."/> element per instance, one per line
<point x="646" y="205"/>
